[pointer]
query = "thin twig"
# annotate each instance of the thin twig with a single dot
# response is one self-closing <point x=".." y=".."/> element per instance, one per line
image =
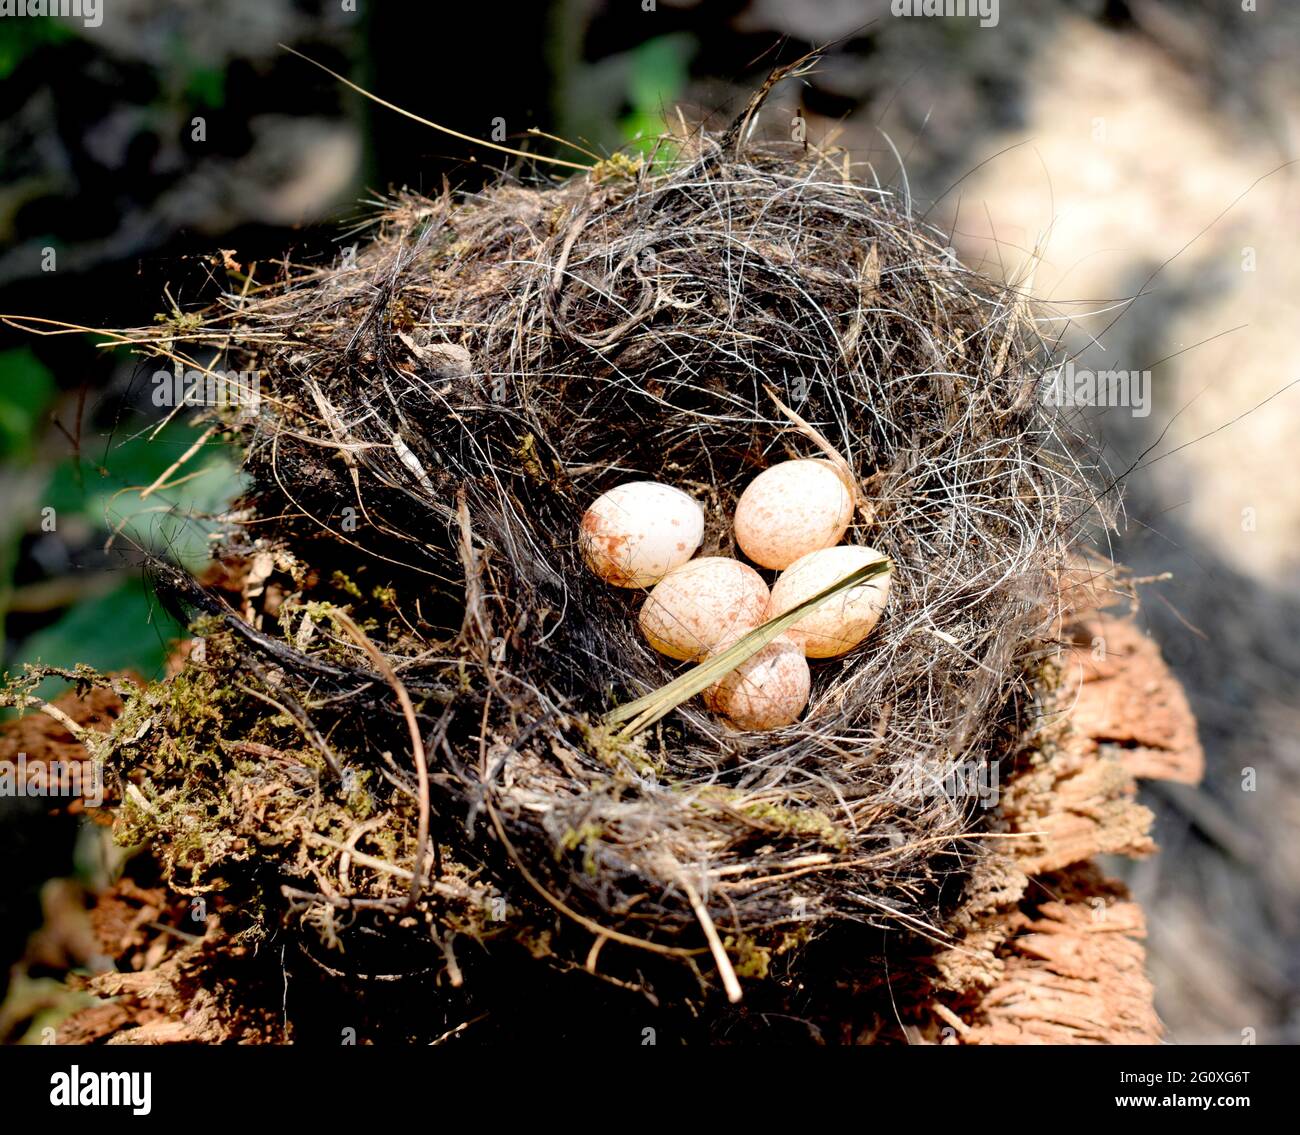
<point x="417" y="741"/>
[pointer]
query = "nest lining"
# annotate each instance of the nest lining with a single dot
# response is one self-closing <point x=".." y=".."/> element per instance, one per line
<point x="436" y="416"/>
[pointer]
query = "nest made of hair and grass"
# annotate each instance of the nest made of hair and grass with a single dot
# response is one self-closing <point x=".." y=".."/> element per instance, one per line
<point x="398" y="723"/>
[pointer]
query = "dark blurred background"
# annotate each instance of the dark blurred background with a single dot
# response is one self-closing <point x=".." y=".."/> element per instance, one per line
<point x="1143" y="144"/>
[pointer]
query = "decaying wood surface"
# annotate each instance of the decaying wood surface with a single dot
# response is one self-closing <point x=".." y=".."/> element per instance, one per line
<point x="1063" y="961"/>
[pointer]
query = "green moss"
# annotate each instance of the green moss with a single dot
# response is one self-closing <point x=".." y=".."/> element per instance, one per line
<point x="344" y="582"/>
<point x="619" y="753"/>
<point x="527" y="454"/>
<point x="748" y="958"/>
<point x="618" y="166"/>
<point x="587" y="837"/>
<point x="809" y="823"/>
<point x="183" y="324"/>
<point x="216" y="783"/>
<point x="793" y="940"/>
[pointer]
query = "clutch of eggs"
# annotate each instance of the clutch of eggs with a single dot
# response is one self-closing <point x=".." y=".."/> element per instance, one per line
<point x="790" y="518"/>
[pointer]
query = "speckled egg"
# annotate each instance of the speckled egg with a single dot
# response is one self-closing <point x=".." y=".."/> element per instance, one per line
<point x="767" y="690"/>
<point x="841" y="622"/>
<point x="635" y="534"/>
<point x="792" y="509"/>
<point x="701" y="604"/>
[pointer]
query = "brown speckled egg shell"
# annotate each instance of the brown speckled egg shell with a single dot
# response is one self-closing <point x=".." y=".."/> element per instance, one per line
<point x="635" y="534"/>
<point x="792" y="509"/>
<point x="767" y="690"/>
<point x="841" y="622"/>
<point x="702" y="603"/>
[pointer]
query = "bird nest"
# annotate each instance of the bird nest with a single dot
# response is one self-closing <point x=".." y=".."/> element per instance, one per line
<point x="396" y="737"/>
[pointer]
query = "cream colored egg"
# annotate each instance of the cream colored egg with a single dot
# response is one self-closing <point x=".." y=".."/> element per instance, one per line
<point x="767" y="690"/>
<point x="792" y="509"/>
<point x="701" y="604"/>
<point x="841" y="622"/>
<point x="635" y="534"/>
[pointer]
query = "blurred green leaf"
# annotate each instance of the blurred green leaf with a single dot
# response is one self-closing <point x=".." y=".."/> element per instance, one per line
<point x="20" y="37"/>
<point x="659" y="74"/>
<point x="173" y="520"/>
<point x="657" y="79"/>
<point x="125" y="629"/>
<point x="26" y="391"/>
<point x="45" y="1001"/>
<point x="207" y="85"/>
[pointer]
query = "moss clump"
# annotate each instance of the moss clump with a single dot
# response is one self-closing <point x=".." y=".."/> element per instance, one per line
<point x="587" y="837"/>
<point x="617" y="167"/>
<point x="618" y="753"/>
<point x="346" y="583"/>
<point x="805" y="822"/>
<point x="749" y="959"/>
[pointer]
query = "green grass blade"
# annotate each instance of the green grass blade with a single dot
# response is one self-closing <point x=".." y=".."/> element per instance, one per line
<point x="645" y="711"/>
